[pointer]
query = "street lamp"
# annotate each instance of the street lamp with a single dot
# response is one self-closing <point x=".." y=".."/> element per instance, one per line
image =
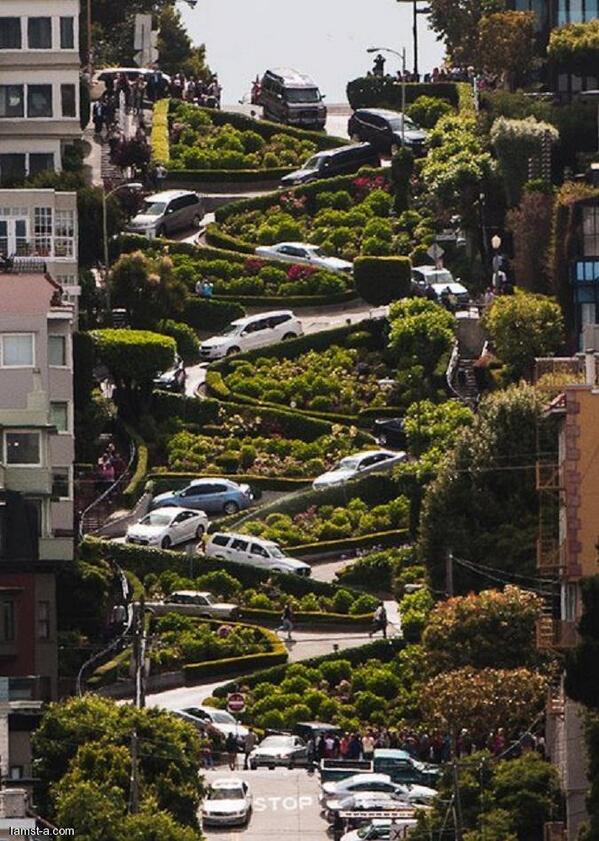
<point x="135" y="187"/>
<point x="417" y="12"/>
<point x="402" y="56"/>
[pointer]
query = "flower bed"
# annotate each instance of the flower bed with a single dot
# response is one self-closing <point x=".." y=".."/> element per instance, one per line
<point x="337" y="380"/>
<point x="327" y="522"/>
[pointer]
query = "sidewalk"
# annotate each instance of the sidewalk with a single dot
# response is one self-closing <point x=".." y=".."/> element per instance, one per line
<point x="98" y="161"/>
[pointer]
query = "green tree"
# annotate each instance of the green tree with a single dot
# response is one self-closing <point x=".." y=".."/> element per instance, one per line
<point x="487" y="484"/>
<point x="421" y="333"/>
<point x="147" y="287"/>
<point x="506" y="41"/>
<point x="527" y="789"/>
<point x="515" y="143"/>
<point x="175" y="51"/>
<point x="530" y="225"/>
<point x="402" y="169"/>
<point x="457" y="22"/>
<point x="576" y="45"/>
<point x="491" y="628"/>
<point x="435" y="425"/>
<point x="522" y="327"/>
<point x="426" y="111"/>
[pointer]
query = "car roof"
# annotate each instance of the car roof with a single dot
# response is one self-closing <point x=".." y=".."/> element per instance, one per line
<point x="429" y="269"/>
<point x="456" y="288"/>
<point x="369" y="778"/>
<point x="386" y="113"/>
<point x="292" y="77"/>
<point x="390" y="753"/>
<point x="260" y="315"/>
<point x="325" y="153"/>
<point x="209" y="480"/>
<point x="190" y="593"/>
<point x="296" y="244"/>
<point x="226" y="782"/>
<point x="167" y="195"/>
<point x="171" y="509"/>
<point x="371" y="452"/>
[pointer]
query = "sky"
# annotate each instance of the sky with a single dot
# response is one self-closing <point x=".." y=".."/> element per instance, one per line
<point x="327" y="39"/>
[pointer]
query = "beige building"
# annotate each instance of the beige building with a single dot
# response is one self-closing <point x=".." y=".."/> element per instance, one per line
<point x="39" y="85"/>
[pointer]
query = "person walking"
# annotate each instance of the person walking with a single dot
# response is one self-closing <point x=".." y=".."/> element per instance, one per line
<point x="379" y="621"/>
<point x="368" y="746"/>
<point x="231" y="749"/>
<point x="287" y="620"/>
<point x="249" y="743"/>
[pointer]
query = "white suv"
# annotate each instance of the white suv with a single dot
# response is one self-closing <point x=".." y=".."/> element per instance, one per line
<point x="254" y="331"/>
<point x="246" y="549"/>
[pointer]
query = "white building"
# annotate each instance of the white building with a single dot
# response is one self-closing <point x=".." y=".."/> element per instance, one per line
<point x="39" y="85"/>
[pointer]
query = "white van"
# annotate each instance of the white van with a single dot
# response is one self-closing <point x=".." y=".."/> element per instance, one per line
<point x="254" y="551"/>
<point x="254" y="331"/>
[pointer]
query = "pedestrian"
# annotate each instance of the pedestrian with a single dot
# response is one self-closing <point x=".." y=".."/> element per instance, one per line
<point x="311" y="754"/>
<point x="207" y="758"/>
<point x="249" y="743"/>
<point x="379" y="65"/>
<point x="354" y="748"/>
<point x="287" y="620"/>
<point x="98" y="116"/>
<point x="320" y="747"/>
<point x="231" y="749"/>
<point x="329" y="747"/>
<point x="379" y="621"/>
<point x="160" y="175"/>
<point x="368" y="746"/>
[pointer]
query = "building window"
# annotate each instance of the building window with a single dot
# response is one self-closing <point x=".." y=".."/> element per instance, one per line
<point x="10" y="33"/>
<point x="42" y="230"/>
<point x="12" y="171"/>
<point x="41" y="162"/>
<point x="22" y="448"/>
<point x="64" y="233"/>
<point x="67" y="34"/>
<point x="59" y="416"/>
<point x="36" y="506"/>
<point x="39" y="33"/>
<point x="68" y="102"/>
<point x="43" y="620"/>
<point x="590" y="231"/>
<point x="57" y="351"/>
<point x="39" y="101"/>
<point x="61" y="482"/>
<point x="7" y="621"/>
<point x="12" y="101"/>
<point x="16" y="350"/>
<point x="67" y="279"/>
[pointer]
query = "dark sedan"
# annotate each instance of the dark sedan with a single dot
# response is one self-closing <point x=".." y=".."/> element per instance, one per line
<point x="387" y="130"/>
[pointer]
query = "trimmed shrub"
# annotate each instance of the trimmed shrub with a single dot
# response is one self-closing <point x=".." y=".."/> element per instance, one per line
<point x="184" y="336"/>
<point x="380" y="280"/>
<point x="211" y="316"/>
<point x="426" y="111"/>
<point x="386" y="92"/>
<point x="159" y="141"/>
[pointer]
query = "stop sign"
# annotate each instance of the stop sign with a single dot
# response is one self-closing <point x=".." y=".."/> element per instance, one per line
<point x="235" y="702"/>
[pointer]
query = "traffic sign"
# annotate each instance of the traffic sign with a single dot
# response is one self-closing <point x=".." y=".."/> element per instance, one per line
<point x="435" y="252"/>
<point x="235" y="702"/>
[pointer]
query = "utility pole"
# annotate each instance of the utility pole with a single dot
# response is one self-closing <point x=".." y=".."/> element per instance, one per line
<point x="89" y="39"/>
<point x="457" y="803"/>
<point x="403" y="98"/>
<point x="449" y="574"/>
<point x="139" y="652"/>
<point x="415" y="32"/>
<point x="134" y="779"/>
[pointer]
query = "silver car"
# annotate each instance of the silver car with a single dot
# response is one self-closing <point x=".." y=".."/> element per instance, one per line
<point x="164" y="213"/>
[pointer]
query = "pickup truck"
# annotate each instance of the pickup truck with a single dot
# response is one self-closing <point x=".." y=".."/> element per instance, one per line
<point x="401" y="767"/>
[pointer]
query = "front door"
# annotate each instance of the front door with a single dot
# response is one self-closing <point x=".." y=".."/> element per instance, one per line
<point x="13" y="236"/>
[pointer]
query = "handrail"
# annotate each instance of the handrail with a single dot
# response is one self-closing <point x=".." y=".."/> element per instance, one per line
<point x="452" y="367"/>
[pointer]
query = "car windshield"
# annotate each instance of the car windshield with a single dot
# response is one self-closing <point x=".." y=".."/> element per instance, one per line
<point x="277" y="742"/>
<point x="275" y="552"/>
<point x="232" y="330"/>
<point x="222" y="718"/>
<point x="295" y="95"/>
<point x="156" y="518"/>
<point x="155" y="208"/>
<point x="349" y="463"/>
<point x="229" y="793"/>
<point x="318" y="252"/>
<point x="397" y="124"/>
<point x="315" y="162"/>
<point x="209" y="599"/>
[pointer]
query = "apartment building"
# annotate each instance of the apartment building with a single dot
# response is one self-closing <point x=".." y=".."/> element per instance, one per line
<point x="39" y="228"/>
<point x="552" y="13"/>
<point x="39" y="85"/>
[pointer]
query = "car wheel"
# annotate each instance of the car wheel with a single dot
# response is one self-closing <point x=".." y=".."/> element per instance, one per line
<point x="383" y="439"/>
<point x="166" y="543"/>
<point x="196" y="221"/>
<point x="200" y="532"/>
<point x="253" y="764"/>
<point x="233" y="350"/>
<point x="289" y="336"/>
<point x="394" y="148"/>
<point x="230" y="507"/>
<point x="161" y="232"/>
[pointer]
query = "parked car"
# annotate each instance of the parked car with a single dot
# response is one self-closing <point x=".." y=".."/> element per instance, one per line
<point x="290" y="97"/>
<point x="173" y="379"/>
<point x="376" y="783"/>
<point x="215" y="496"/>
<point x="132" y="73"/>
<point x="164" y="213"/>
<point x="351" y="467"/>
<point x="386" y="130"/>
<point x="379" y="829"/>
<point x="166" y="527"/>
<point x="254" y="551"/>
<point x="451" y="295"/>
<point x="390" y="432"/>
<point x="341" y="161"/>
<point x="402" y="768"/>
<point x="302" y="252"/>
<point x="254" y="331"/>
<point x="279" y="750"/>
<point x="221" y="721"/>
<point x="228" y="802"/>
<point x="207" y="606"/>
<point x="365" y="803"/>
<point x="307" y="729"/>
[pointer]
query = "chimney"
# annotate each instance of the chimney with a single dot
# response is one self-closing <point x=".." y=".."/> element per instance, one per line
<point x="13" y="803"/>
<point x="590" y="373"/>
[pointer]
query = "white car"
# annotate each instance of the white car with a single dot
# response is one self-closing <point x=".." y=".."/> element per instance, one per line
<point x="165" y="527"/>
<point x="206" y="718"/>
<point x="304" y="253"/>
<point x="253" y="551"/>
<point x="254" y="331"/>
<point x="279" y="750"/>
<point x="196" y="603"/>
<point x="350" y="467"/>
<point x="369" y="801"/>
<point x="228" y="802"/>
<point x="379" y="829"/>
<point x="375" y="783"/>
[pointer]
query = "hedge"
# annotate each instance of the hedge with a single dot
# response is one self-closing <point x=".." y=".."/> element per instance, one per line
<point x="380" y="280"/>
<point x="159" y="139"/>
<point x="126" y="243"/>
<point x="166" y="405"/>
<point x="228" y="176"/>
<point x="386" y="92"/>
<point x="211" y="315"/>
<point x="395" y="537"/>
<point x="291" y="301"/>
<point x="383" y="650"/>
<point x="309" y="617"/>
<point x="197" y="672"/>
<point x="174" y="481"/>
<point x="135" y="486"/>
<point x="219" y="239"/>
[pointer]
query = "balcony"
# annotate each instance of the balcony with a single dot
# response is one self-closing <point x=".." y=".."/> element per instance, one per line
<point x="556" y="634"/>
<point x="549" y="477"/>
<point x="18" y="256"/>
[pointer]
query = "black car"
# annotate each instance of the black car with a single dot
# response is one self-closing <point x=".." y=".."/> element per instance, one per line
<point x="341" y="161"/>
<point x="173" y="379"/>
<point x="390" y="432"/>
<point x="307" y="729"/>
<point x="386" y="130"/>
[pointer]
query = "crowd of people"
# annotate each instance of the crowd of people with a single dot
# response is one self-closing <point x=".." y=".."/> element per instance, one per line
<point x="202" y="92"/>
<point x="438" y="74"/>
<point x="109" y="467"/>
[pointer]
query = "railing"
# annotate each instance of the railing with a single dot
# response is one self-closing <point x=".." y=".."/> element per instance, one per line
<point x="549" y="476"/>
<point x="452" y="367"/>
<point x="88" y="516"/>
<point x="556" y="634"/>
<point x="46" y="246"/>
<point x="549" y="555"/>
